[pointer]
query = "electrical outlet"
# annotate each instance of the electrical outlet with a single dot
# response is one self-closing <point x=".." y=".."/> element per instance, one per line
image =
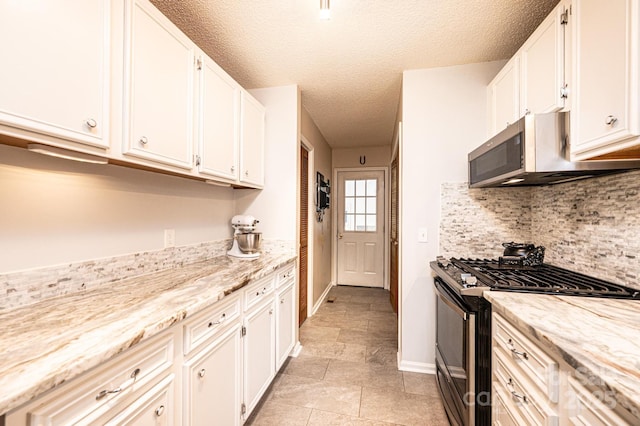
<point x="169" y="238"/>
<point x="422" y="235"/>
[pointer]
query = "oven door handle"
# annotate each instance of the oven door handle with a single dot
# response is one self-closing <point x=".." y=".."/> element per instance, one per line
<point x="457" y="309"/>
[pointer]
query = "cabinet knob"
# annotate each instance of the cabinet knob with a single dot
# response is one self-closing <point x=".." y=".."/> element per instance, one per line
<point x="246" y="173"/>
<point x="91" y="123"/>
<point x="233" y="169"/>
<point x="282" y="301"/>
<point x="144" y="140"/>
<point x="270" y="311"/>
<point x="564" y="91"/>
<point x="610" y="120"/>
<point x="202" y="372"/>
<point x="159" y="411"/>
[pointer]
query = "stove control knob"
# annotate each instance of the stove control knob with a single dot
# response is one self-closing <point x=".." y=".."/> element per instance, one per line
<point x="471" y="281"/>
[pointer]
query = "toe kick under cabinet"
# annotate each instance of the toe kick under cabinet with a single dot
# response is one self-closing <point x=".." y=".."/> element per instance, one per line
<point x="211" y="369"/>
<point x="530" y="387"/>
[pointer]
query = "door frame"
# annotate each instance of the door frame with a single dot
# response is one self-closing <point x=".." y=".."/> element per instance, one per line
<point x="304" y="143"/>
<point x="385" y="221"/>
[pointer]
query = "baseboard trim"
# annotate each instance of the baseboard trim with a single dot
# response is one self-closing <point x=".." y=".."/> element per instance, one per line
<point x="296" y="350"/>
<point x="416" y="367"/>
<point x="324" y="295"/>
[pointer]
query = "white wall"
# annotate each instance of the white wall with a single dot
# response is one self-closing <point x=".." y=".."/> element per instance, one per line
<point x="275" y="206"/>
<point x="444" y="117"/>
<point x="55" y="211"/>
<point x="374" y="156"/>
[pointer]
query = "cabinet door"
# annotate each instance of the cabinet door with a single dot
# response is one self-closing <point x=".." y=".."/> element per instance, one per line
<point x="213" y="381"/>
<point x="605" y="58"/>
<point x="251" y="141"/>
<point x="160" y="95"/>
<point x="542" y="66"/>
<point x="504" y="97"/>
<point x="218" y="122"/>
<point x="259" y="354"/>
<point x="54" y="78"/>
<point x="285" y="324"/>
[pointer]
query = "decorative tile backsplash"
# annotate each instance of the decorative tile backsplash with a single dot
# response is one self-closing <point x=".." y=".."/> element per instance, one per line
<point x="475" y="222"/>
<point x="26" y="287"/>
<point x="590" y="226"/>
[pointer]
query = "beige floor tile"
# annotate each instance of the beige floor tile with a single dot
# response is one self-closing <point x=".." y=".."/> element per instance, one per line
<point x="307" y="366"/>
<point x="279" y="414"/>
<point x="418" y="383"/>
<point x="335" y="350"/>
<point x="382" y="355"/>
<point x="363" y="374"/>
<point x="311" y="393"/>
<point x="401" y="407"/>
<point x="318" y="334"/>
<point x="382" y="325"/>
<point x="388" y="317"/>
<point x="326" y="418"/>
<point x="382" y="306"/>
<point x="369" y="338"/>
<point x="340" y="322"/>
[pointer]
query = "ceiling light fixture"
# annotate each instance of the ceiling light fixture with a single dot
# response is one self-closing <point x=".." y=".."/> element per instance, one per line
<point x="66" y="154"/>
<point x="325" y="12"/>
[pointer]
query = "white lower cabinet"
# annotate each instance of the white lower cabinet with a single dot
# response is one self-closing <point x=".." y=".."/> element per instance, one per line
<point x="210" y="370"/>
<point x="259" y="353"/>
<point x="212" y="382"/>
<point x="530" y="387"/>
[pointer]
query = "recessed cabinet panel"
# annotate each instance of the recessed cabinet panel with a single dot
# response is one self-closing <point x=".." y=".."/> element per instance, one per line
<point x="54" y="78"/>
<point x="605" y="104"/>
<point x="212" y="380"/>
<point x="160" y="100"/>
<point x="504" y="97"/>
<point x="286" y="320"/>
<point x="542" y="67"/>
<point x="218" y="122"/>
<point x="251" y="141"/>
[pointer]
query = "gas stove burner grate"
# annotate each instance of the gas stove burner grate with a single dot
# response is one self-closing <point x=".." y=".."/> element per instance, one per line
<point x="541" y="279"/>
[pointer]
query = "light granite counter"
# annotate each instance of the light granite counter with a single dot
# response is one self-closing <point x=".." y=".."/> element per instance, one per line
<point x="55" y="340"/>
<point x="598" y="337"/>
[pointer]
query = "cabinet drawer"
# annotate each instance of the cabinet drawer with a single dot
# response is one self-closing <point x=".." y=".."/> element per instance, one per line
<point x="258" y="291"/>
<point x="504" y="414"/>
<point x="90" y="397"/>
<point x="532" y="362"/>
<point x="589" y="408"/>
<point x="153" y="408"/>
<point x="286" y="275"/>
<point x="211" y="322"/>
<point x="529" y="402"/>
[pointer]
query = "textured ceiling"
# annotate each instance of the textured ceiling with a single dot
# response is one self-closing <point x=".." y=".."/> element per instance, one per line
<point x="349" y="68"/>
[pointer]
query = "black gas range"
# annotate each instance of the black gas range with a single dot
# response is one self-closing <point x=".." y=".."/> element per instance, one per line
<point x="463" y="321"/>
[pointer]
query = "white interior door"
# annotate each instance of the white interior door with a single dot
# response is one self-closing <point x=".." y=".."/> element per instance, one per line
<point x="360" y="199"/>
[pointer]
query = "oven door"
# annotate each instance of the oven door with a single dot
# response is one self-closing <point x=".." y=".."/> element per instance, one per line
<point x="455" y="347"/>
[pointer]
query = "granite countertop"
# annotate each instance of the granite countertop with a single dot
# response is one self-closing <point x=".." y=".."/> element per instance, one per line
<point x="598" y="337"/>
<point x="53" y="341"/>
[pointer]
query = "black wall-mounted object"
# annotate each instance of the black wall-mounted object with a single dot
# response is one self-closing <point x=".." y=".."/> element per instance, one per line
<point x="323" y="195"/>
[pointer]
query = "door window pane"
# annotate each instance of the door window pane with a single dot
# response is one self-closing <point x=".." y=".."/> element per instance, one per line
<point x="360" y="205"/>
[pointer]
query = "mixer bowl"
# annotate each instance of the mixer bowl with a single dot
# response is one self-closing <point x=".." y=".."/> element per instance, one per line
<point x="249" y="242"/>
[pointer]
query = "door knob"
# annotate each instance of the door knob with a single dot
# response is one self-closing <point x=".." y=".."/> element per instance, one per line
<point x="340" y="236"/>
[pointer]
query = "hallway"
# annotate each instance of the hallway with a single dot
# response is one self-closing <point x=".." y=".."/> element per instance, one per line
<point x="347" y="370"/>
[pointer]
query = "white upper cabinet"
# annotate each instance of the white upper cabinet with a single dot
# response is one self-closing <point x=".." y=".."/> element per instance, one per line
<point x="542" y="66"/>
<point x="218" y="121"/>
<point x="604" y="112"/>
<point x="159" y="88"/>
<point x="54" y="78"/>
<point x="504" y="96"/>
<point x="252" y="122"/>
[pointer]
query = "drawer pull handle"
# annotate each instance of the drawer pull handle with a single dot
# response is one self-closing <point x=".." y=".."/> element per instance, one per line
<point x="105" y="392"/>
<point x="201" y="373"/>
<point x="516" y="352"/>
<point x="223" y="317"/>
<point x="515" y="395"/>
<point x="160" y="410"/>
<point x="143" y="140"/>
<point x="91" y="123"/>
<point x="282" y="301"/>
<point x="610" y="120"/>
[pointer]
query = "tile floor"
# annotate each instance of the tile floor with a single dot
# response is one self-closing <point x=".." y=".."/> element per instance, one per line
<point x="347" y="371"/>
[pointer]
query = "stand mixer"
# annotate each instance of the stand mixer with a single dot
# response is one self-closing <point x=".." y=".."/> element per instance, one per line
<point x="247" y="248"/>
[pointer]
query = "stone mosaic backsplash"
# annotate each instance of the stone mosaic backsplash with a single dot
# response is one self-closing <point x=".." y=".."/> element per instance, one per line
<point x="27" y="287"/>
<point x="475" y="222"/>
<point x="590" y="226"/>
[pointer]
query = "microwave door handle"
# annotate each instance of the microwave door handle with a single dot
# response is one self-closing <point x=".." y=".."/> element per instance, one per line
<point x="451" y="304"/>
